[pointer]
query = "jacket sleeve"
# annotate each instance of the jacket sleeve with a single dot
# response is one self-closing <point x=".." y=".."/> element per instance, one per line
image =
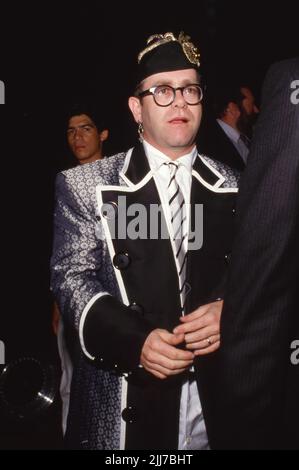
<point x="82" y="280"/>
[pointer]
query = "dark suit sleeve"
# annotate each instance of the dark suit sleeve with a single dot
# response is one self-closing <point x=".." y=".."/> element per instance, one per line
<point x="260" y="316"/>
<point x="80" y="273"/>
<point x="114" y="334"/>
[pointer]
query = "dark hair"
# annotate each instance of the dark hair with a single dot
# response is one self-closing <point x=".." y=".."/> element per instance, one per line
<point x="224" y="94"/>
<point x="93" y="111"/>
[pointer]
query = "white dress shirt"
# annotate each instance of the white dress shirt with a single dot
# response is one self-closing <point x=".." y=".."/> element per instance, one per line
<point x="192" y="430"/>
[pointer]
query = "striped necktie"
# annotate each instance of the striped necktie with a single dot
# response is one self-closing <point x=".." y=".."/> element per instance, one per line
<point x="179" y="224"/>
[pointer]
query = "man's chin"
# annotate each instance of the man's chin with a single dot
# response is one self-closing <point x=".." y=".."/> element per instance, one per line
<point x="181" y="140"/>
<point x="81" y="156"/>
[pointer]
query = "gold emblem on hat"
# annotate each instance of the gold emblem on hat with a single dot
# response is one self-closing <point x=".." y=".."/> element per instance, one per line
<point x="190" y="51"/>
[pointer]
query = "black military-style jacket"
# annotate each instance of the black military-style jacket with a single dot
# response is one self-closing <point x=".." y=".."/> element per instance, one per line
<point x="130" y="287"/>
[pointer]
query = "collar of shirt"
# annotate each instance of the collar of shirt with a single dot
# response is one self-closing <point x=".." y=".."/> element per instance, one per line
<point x="156" y="158"/>
<point x="231" y="133"/>
<point x="161" y="176"/>
<point x="234" y="137"/>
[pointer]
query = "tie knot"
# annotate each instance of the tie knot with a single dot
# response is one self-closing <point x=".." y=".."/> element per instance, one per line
<point x="173" y="168"/>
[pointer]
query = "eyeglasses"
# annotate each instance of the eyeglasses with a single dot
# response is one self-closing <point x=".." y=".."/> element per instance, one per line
<point x="164" y="95"/>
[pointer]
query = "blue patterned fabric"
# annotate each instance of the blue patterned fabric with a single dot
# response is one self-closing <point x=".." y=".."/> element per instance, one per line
<point x="95" y="412"/>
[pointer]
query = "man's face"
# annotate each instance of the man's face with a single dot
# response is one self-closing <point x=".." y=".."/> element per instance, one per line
<point x="171" y="129"/>
<point x="249" y="112"/>
<point x="84" y="139"/>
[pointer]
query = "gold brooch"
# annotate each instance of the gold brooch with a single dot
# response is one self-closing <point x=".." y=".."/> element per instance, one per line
<point x="191" y="51"/>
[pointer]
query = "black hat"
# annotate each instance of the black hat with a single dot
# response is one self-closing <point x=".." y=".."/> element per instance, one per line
<point x="165" y="53"/>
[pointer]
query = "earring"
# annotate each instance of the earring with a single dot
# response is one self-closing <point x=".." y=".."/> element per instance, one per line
<point x="140" y="132"/>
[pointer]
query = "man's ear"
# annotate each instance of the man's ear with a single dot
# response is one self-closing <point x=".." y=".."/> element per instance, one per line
<point x="104" y="135"/>
<point x="135" y="107"/>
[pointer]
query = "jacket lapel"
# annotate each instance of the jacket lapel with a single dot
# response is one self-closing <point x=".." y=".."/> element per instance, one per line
<point x="144" y="264"/>
<point x="206" y="174"/>
<point x="136" y="166"/>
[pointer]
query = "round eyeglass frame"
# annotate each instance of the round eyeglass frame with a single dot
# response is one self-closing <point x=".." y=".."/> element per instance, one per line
<point x="152" y="91"/>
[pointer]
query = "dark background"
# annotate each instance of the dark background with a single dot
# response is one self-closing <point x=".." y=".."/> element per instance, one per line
<point x="52" y="57"/>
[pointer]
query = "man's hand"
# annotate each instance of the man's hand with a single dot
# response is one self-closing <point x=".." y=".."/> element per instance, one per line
<point x="160" y="357"/>
<point x="202" y="328"/>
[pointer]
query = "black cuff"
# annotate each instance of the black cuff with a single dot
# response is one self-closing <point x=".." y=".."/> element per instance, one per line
<point x="114" y="334"/>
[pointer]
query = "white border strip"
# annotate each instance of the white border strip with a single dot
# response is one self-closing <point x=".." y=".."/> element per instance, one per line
<point x="99" y="190"/>
<point x="125" y="167"/>
<point x="213" y="188"/>
<point x="131" y="189"/>
<point x="82" y="321"/>
<point x="213" y="170"/>
<point x="123" y="425"/>
<point x="124" y="384"/>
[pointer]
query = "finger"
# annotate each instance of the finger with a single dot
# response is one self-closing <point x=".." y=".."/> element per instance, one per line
<point x="211" y="317"/>
<point x="208" y="321"/>
<point x="210" y="349"/>
<point x="156" y="373"/>
<point x="205" y="343"/>
<point x="158" y="342"/>
<point x="171" y="352"/>
<point x="170" y="338"/>
<point x="165" y="370"/>
<point x="165" y="336"/>
<point x="156" y="359"/>
<point x="190" y="326"/>
<point x="202" y="310"/>
<point x="199" y="312"/>
<point x="174" y="339"/>
<point x="201" y="334"/>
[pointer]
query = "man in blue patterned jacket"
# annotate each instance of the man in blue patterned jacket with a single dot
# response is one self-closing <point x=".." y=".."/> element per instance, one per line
<point x="141" y="295"/>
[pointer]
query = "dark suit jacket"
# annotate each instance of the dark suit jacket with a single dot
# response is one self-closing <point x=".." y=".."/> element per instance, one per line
<point x="213" y="142"/>
<point x="258" y="401"/>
